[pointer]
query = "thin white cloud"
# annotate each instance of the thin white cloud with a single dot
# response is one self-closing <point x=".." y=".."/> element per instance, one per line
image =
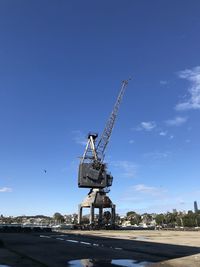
<point x="156" y="199"/>
<point x="193" y="99"/>
<point x="177" y="121"/>
<point x="146" y="125"/>
<point x="150" y="190"/>
<point x="144" y="194"/>
<point x="131" y="141"/>
<point x="79" y="137"/>
<point x="157" y="155"/>
<point x="5" y="190"/>
<point x="163" y="82"/>
<point x="125" y="168"/>
<point x="163" y="133"/>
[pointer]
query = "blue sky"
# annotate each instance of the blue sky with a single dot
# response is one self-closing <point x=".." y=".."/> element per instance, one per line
<point x="61" y="65"/>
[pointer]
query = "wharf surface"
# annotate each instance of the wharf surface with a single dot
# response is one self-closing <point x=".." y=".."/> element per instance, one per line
<point x="145" y="248"/>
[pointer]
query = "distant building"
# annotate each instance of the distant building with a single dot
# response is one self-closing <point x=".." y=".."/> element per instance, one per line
<point x="195" y="207"/>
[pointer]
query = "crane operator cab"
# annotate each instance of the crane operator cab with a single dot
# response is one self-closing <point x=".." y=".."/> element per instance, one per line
<point x="92" y="171"/>
<point x="91" y="177"/>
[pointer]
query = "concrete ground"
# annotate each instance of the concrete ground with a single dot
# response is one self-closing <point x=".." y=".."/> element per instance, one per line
<point x="101" y="248"/>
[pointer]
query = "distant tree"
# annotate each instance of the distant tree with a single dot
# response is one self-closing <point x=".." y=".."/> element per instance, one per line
<point x="59" y="218"/>
<point x="170" y="219"/>
<point x="85" y="220"/>
<point x="68" y="218"/>
<point x="130" y="213"/>
<point x="179" y="221"/>
<point x="147" y="218"/>
<point x="8" y="220"/>
<point x="19" y="219"/>
<point x="133" y="217"/>
<point x="32" y="220"/>
<point x="198" y="219"/>
<point x="190" y="220"/>
<point x="74" y="218"/>
<point x="160" y="219"/>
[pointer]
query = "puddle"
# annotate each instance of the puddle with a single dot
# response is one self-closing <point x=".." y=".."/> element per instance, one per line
<point x="141" y="238"/>
<point x="101" y="263"/>
<point x="128" y="263"/>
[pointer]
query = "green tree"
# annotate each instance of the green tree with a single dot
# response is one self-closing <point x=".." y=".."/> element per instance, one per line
<point x="170" y="219"/>
<point x="198" y="219"/>
<point x="160" y="219"/>
<point x="190" y="219"/>
<point x="133" y="217"/>
<point x="179" y="221"/>
<point x="130" y="213"/>
<point x="58" y="217"/>
<point x="85" y="220"/>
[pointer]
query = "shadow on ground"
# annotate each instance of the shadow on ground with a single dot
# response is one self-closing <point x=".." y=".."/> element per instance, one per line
<point x="58" y="249"/>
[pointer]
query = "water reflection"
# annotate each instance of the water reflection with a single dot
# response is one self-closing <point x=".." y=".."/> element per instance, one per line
<point x="104" y="263"/>
<point x="141" y="238"/>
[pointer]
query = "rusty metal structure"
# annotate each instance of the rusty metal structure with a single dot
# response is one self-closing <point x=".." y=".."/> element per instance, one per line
<point x="93" y="172"/>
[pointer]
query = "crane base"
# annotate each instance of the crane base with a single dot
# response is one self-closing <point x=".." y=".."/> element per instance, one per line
<point x="97" y="198"/>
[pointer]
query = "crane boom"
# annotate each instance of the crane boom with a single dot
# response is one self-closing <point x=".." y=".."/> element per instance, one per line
<point x="110" y="123"/>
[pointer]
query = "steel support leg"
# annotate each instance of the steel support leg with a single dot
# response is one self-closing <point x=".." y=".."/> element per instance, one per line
<point x="113" y="214"/>
<point x="80" y="209"/>
<point x="100" y="215"/>
<point x="91" y="214"/>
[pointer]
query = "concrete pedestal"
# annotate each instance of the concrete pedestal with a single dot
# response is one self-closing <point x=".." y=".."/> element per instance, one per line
<point x="97" y="198"/>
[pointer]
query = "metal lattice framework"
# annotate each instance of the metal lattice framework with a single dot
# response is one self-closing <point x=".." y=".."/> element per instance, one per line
<point x="101" y="146"/>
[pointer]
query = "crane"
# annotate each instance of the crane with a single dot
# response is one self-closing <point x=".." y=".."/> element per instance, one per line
<point x="102" y="144"/>
<point x="92" y="169"/>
